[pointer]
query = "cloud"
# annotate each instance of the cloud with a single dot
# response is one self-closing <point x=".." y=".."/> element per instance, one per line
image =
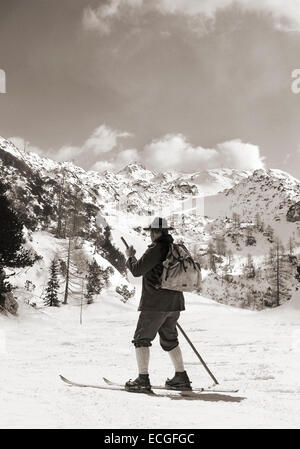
<point x="92" y="21"/>
<point x="101" y="166"/>
<point x="173" y="151"/>
<point x="23" y="145"/>
<point x="127" y="156"/>
<point x="237" y="154"/>
<point x="100" y="18"/>
<point x="66" y="153"/>
<point x="117" y="161"/>
<point x="192" y="7"/>
<point x="103" y="140"/>
<point x="101" y="152"/>
<point x="285" y="13"/>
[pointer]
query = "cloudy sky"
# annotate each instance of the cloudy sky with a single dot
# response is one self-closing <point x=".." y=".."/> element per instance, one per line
<point x="185" y="84"/>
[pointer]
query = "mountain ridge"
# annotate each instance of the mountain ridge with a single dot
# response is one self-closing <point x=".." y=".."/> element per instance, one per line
<point x="201" y="206"/>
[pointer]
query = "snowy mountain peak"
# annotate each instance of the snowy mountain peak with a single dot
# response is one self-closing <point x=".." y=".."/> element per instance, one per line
<point x="137" y="171"/>
<point x="270" y="191"/>
<point x="274" y="173"/>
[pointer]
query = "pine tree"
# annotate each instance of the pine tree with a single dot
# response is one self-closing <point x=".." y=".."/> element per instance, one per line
<point x="106" y="274"/>
<point x="93" y="286"/>
<point x="11" y="236"/>
<point x="111" y="253"/>
<point x="250" y="239"/>
<point x="51" y="298"/>
<point x="98" y="240"/>
<point x="97" y="279"/>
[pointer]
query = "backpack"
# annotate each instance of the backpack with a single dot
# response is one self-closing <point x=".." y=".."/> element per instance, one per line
<point x="180" y="271"/>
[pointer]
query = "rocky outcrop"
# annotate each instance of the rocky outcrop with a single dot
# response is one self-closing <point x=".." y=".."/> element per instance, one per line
<point x="8" y="303"/>
<point x="293" y="214"/>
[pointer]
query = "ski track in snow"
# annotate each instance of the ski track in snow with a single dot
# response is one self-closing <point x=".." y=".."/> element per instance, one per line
<point x="257" y="352"/>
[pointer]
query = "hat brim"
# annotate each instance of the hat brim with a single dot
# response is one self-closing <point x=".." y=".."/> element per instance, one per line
<point x="158" y="229"/>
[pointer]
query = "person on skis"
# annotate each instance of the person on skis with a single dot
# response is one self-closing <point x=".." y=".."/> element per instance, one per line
<point x="159" y="310"/>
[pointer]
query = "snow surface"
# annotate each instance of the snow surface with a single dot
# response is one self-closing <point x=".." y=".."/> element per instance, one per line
<point x="257" y="352"/>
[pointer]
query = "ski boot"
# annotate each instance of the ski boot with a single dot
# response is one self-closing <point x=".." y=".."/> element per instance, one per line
<point x="140" y="385"/>
<point x="180" y="381"/>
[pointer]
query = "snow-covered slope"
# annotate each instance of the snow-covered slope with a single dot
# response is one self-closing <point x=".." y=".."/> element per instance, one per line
<point x="267" y="192"/>
<point x="257" y="352"/>
<point x="30" y="283"/>
<point x="216" y="180"/>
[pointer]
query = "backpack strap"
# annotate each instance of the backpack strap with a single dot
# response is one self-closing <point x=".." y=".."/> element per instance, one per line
<point x="167" y="273"/>
<point x="180" y="259"/>
<point x="178" y="253"/>
<point x="190" y="258"/>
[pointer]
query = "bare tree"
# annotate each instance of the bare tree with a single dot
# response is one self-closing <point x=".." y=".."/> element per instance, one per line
<point x="249" y="269"/>
<point x="60" y="205"/>
<point x="73" y="230"/>
<point x="211" y="257"/>
<point x="230" y="257"/>
<point x="291" y="245"/>
<point x="220" y="245"/>
<point x="258" y="222"/>
<point x="270" y="233"/>
<point x="278" y="271"/>
<point x="236" y="220"/>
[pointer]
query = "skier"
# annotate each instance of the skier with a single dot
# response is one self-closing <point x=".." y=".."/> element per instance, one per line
<point x="159" y="310"/>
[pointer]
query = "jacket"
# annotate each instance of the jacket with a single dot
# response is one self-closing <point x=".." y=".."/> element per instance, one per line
<point x="150" y="267"/>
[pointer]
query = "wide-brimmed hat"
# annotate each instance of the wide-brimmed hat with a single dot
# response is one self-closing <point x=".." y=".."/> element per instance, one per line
<point x="159" y="224"/>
